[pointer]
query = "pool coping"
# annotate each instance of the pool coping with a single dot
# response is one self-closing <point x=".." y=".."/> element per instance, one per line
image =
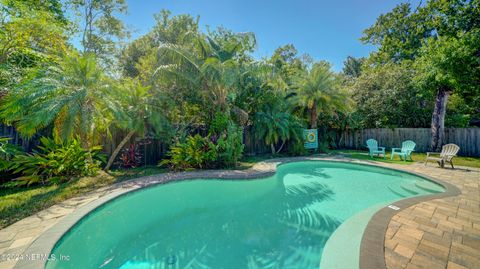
<point x="372" y="251"/>
<point x="372" y="246"/>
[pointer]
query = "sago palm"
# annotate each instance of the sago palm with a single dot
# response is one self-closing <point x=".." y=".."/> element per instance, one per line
<point x="70" y="97"/>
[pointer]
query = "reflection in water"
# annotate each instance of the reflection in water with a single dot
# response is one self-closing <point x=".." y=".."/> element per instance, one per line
<point x="280" y="222"/>
<point x="283" y="231"/>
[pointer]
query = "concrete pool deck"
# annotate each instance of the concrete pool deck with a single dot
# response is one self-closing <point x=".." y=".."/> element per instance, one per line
<point x="439" y="233"/>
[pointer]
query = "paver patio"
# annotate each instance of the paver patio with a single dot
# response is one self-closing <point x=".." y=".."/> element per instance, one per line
<point x="440" y="233"/>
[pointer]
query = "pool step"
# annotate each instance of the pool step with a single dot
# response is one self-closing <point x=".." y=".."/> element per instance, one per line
<point x="410" y="188"/>
<point x="398" y="191"/>
<point x="428" y="186"/>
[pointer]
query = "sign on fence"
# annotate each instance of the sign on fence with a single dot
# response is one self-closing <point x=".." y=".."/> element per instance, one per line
<point x="310" y="138"/>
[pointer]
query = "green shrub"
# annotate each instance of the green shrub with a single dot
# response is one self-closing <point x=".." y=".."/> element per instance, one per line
<point x="7" y="152"/>
<point x="55" y="163"/>
<point x="196" y="152"/>
<point x="230" y="146"/>
<point x="296" y="147"/>
<point x="217" y="150"/>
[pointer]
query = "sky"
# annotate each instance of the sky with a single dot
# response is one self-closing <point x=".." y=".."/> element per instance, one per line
<point x="324" y="29"/>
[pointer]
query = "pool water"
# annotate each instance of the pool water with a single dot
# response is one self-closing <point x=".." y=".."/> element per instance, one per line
<point x="278" y="222"/>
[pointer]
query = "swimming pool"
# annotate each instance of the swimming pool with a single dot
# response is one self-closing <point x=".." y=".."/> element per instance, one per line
<point x="282" y="221"/>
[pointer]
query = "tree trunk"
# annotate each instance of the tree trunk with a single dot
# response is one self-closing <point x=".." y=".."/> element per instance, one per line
<point x="438" y="119"/>
<point x="313" y="116"/>
<point x="273" y="149"/>
<point x="117" y="150"/>
<point x="281" y="147"/>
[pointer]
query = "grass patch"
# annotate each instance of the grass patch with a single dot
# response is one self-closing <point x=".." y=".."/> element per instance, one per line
<point x="18" y="203"/>
<point x="21" y="202"/>
<point x="417" y="157"/>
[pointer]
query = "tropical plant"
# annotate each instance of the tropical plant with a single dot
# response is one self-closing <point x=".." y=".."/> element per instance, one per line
<point x="55" y="163"/>
<point x="72" y="97"/>
<point x="135" y="111"/>
<point x="319" y="92"/>
<point x="130" y="157"/>
<point x="196" y="152"/>
<point x="274" y="126"/>
<point x="227" y="138"/>
<point x="230" y="147"/>
<point x="211" y="67"/>
<point x="7" y="152"/>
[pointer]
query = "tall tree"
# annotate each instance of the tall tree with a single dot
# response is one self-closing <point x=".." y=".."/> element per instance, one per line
<point x="407" y="35"/>
<point x="352" y="67"/>
<point x="32" y="33"/>
<point x="100" y="28"/>
<point x="211" y="68"/>
<point x="319" y="91"/>
<point x="168" y="29"/>
<point x="449" y="65"/>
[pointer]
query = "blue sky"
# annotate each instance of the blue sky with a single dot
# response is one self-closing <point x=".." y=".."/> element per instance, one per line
<point x="325" y="29"/>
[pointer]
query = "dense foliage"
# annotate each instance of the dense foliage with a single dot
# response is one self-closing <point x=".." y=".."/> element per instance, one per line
<point x="55" y="163"/>
<point x="200" y="93"/>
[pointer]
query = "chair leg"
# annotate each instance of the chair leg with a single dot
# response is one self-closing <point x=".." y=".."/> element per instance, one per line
<point x="425" y="163"/>
<point x="451" y="163"/>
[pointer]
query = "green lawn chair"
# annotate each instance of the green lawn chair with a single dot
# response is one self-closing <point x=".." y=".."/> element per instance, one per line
<point x="406" y="151"/>
<point x="373" y="148"/>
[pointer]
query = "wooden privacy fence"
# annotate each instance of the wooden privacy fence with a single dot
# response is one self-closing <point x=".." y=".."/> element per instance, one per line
<point x="468" y="139"/>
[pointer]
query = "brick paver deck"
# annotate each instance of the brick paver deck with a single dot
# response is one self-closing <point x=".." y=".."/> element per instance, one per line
<point x="442" y="233"/>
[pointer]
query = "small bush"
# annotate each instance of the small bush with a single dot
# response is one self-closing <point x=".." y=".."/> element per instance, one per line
<point x="297" y="148"/>
<point x="130" y="157"/>
<point x="222" y="148"/>
<point x="196" y="152"/>
<point x="55" y="163"/>
<point x="230" y="146"/>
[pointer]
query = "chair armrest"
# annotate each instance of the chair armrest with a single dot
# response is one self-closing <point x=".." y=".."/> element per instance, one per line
<point x="433" y="152"/>
<point x="383" y="148"/>
<point x="396" y="149"/>
<point x="449" y="157"/>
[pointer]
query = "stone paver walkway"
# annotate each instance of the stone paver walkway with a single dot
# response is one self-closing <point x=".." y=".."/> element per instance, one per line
<point x="442" y="233"/>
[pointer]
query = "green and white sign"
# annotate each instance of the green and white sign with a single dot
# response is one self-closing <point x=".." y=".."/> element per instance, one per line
<point x="310" y="138"/>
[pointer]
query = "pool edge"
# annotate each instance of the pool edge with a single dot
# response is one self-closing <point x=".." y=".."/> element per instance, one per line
<point x="372" y="246"/>
<point x="371" y="256"/>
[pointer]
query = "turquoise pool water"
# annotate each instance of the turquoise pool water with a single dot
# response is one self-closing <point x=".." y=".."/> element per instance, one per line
<point x="278" y="222"/>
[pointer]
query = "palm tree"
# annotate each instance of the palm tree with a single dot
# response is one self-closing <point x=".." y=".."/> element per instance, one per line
<point x="274" y="126"/>
<point x="69" y="96"/>
<point x="211" y="68"/>
<point x="131" y="112"/>
<point x="136" y="111"/>
<point x="318" y="91"/>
